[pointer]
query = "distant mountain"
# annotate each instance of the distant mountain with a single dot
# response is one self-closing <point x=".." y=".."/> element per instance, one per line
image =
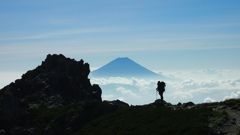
<point x="123" y="67"/>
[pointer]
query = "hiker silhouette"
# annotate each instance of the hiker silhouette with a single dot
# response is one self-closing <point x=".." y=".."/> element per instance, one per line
<point x="161" y="88"/>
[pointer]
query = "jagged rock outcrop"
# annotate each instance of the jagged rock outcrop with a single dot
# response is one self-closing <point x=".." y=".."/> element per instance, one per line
<point x="58" y="82"/>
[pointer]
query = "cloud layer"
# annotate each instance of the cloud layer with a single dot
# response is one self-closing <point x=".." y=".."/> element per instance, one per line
<point x="197" y="86"/>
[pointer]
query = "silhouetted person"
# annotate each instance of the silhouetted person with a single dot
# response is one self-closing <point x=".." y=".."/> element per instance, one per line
<point x="161" y="88"/>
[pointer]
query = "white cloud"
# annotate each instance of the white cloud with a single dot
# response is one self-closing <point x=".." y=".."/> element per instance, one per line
<point x="182" y="95"/>
<point x="144" y="85"/>
<point x="112" y="80"/>
<point x="208" y="100"/>
<point x="197" y="86"/>
<point x="61" y="33"/>
<point x="234" y="82"/>
<point x="233" y="95"/>
<point x="108" y="97"/>
<point x="191" y="84"/>
<point x="126" y="92"/>
<point x="141" y="84"/>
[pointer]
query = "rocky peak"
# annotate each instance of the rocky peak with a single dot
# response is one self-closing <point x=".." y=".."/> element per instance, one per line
<point x="57" y="81"/>
<point x="61" y="65"/>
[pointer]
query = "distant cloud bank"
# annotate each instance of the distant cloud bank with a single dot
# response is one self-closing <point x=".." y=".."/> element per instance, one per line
<point x="197" y="86"/>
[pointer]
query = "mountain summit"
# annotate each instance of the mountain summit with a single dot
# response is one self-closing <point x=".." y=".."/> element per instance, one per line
<point x="123" y="67"/>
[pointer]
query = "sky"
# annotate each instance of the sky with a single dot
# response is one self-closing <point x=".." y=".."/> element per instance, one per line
<point x="167" y="36"/>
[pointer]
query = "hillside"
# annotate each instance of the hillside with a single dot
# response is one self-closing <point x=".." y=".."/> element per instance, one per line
<point x="57" y="98"/>
<point x="163" y="118"/>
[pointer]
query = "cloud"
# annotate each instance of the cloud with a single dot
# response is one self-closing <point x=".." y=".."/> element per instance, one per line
<point x="197" y="86"/>
<point x="191" y="84"/>
<point x="144" y="84"/>
<point x="234" y="82"/>
<point x="233" y="95"/>
<point x="58" y="34"/>
<point x="182" y="95"/>
<point x="208" y="100"/>
<point x="126" y="92"/>
<point x="108" y="97"/>
<point x="139" y="83"/>
<point x="113" y="80"/>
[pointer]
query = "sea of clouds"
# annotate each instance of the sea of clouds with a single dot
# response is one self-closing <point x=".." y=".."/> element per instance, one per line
<point x="182" y="86"/>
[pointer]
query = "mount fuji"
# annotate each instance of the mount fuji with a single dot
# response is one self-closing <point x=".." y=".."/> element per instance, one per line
<point x="124" y="67"/>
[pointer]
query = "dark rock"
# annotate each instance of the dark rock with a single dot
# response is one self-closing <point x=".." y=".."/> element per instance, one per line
<point x="2" y="132"/>
<point x="57" y="82"/>
<point x="179" y="104"/>
<point x="117" y="103"/>
<point x="160" y="102"/>
<point x="188" y="104"/>
<point x="57" y="75"/>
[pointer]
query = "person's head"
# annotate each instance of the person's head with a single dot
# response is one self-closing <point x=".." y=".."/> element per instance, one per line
<point x="158" y="83"/>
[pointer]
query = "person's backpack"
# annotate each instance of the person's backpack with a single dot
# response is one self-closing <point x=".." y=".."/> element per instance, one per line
<point x="163" y="85"/>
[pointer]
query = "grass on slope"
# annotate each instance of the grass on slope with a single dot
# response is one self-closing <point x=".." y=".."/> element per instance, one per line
<point x="150" y="120"/>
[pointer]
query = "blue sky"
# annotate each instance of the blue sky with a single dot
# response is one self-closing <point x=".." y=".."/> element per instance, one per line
<point x="168" y="30"/>
<point x="160" y="34"/>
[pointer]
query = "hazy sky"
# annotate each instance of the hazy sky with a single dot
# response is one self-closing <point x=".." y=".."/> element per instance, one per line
<point x="160" y="34"/>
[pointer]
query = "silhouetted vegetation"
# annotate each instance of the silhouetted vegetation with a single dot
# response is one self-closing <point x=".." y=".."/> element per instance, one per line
<point x="151" y="120"/>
